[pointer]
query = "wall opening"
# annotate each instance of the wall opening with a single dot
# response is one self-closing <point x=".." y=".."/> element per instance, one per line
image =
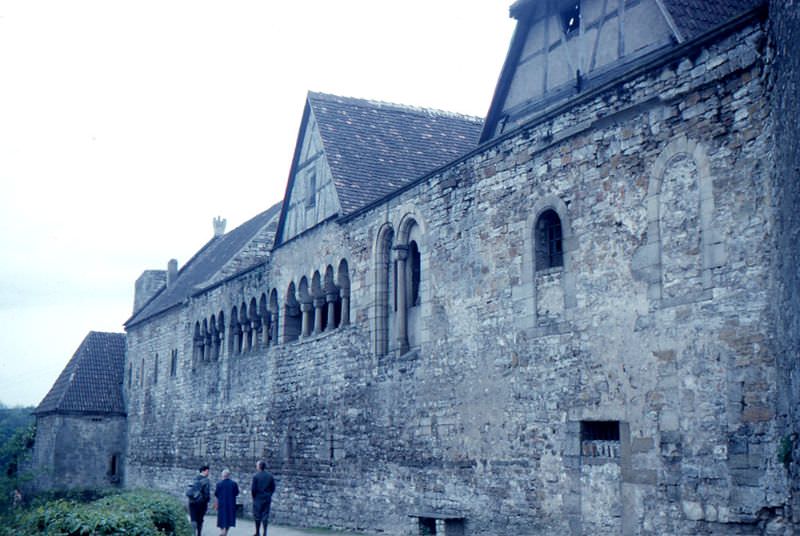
<point x="549" y="243"/>
<point x="600" y="439"/>
<point x="415" y="269"/>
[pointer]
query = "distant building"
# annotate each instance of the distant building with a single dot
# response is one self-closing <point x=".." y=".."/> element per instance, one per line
<point x="579" y="316"/>
<point x="80" y="424"/>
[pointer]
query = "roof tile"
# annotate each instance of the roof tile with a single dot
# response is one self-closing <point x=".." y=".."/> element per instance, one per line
<point x="374" y="148"/>
<point x="92" y="380"/>
<point x="205" y="264"/>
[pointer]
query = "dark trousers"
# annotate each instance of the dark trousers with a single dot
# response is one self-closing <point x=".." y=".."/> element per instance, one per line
<point x="197" y="511"/>
<point x="261" y="512"/>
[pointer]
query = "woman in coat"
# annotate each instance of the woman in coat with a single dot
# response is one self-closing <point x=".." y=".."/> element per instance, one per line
<point x="225" y="493"/>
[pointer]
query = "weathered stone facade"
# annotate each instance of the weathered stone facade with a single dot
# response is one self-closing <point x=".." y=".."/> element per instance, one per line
<point x="785" y="23"/>
<point x="78" y="451"/>
<point x="435" y="360"/>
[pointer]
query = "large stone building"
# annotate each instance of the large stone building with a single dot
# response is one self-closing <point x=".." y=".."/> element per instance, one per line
<point x="579" y="316"/>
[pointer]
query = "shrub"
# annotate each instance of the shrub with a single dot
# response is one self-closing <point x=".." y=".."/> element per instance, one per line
<point x="135" y="513"/>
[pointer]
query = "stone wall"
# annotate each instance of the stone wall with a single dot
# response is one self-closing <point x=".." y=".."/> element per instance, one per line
<point x="785" y="21"/>
<point x="78" y="452"/>
<point x="628" y="391"/>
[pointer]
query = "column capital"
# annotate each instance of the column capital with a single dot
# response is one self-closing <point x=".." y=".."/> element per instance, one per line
<point x="401" y="252"/>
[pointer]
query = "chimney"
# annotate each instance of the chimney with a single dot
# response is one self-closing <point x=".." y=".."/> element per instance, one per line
<point x="219" y="226"/>
<point x="147" y="285"/>
<point x="172" y="271"/>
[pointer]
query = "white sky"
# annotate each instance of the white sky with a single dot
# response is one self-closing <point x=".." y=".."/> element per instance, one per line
<point x="126" y="126"/>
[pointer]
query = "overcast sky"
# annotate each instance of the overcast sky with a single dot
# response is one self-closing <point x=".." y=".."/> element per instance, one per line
<point x="126" y="126"/>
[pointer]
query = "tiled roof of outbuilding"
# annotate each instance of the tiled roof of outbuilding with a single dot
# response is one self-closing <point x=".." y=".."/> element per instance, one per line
<point x="205" y="264"/>
<point x="92" y="380"/>
<point x="694" y="17"/>
<point x="373" y="148"/>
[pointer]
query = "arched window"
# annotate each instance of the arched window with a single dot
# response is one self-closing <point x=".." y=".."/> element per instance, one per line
<point x="292" y="323"/>
<point x="234" y="337"/>
<point x="265" y="327"/>
<point x="343" y="282"/>
<point x="205" y="353"/>
<point x="333" y="301"/>
<point x="244" y="328"/>
<point x="320" y="311"/>
<point x="414" y="274"/>
<point x="220" y="333"/>
<point x="197" y="343"/>
<point x="548" y="237"/>
<point x="255" y="325"/>
<point x="273" y="308"/>
<point x="384" y="291"/>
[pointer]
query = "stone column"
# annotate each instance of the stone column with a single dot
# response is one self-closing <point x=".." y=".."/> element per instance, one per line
<point x="266" y="328"/>
<point x="247" y="341"/>
<point x="274" y="328"/>
<point x="401" y="254"/>
<point x="345" y="320"/>
<point x="306" y="309"/>
<point x="331" y="298"/>
<point x="237" y="338"/>
<point x="214" y="342"/>
<point x="319" y="303"/>
<point x="255" y="329"/>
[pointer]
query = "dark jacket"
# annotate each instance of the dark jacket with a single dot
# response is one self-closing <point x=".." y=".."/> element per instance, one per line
<point x="205" y="487"/>
<point x="263" y="486"/>
<point x="226" y="492"/>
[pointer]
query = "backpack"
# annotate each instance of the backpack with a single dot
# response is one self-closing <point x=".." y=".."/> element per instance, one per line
<point x="195" y="490"/>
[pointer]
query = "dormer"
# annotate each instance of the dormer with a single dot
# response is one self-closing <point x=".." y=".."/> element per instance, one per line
<point x="353" y="153"/>
<point x="561" y="48"/>
<point x="312" y="197"/>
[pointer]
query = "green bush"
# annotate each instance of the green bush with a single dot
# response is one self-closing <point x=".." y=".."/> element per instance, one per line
<point x="14" y="451"/>
<point x="135" y="513"/>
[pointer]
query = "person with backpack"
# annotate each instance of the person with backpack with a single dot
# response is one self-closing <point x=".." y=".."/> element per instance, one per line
<point x="199" y="493"/>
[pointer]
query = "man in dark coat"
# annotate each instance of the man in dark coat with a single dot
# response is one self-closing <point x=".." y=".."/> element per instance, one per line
<point x="262" y="488"/>
<point x="226" y="492"/>
<point x="198" y="508"/>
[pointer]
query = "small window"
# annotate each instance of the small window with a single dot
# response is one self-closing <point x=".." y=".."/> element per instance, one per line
<point x="549" y="246"/>
<point x="173" y="363"/>
<point x="571" y="18"/>
<point x="600" y="431"/>
<point x="600" y="439"/>
<point x="155" y="370"/>
<point x="311" y="199"/>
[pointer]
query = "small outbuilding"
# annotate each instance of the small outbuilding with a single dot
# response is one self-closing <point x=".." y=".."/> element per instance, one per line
<point x="81" y="422"/>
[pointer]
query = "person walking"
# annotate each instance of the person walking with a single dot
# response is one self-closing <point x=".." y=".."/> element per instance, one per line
<point x="226" y="492"/>
<point x="261" y="489"/>
<point x="199" y="494"/>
